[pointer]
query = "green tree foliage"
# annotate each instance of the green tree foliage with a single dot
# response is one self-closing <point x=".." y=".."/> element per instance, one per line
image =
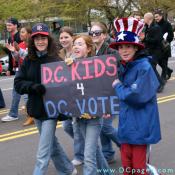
<point x="150" y="5"/>
<point x="81" y="10"/>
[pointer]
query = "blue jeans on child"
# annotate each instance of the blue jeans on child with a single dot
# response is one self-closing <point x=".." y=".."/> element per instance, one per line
<point x="73" y="130"/>
<point x="93" y="156"/>
<point x="50" y="148"/>
<point x="107" y="135"/>
<point x="15" y="103"/>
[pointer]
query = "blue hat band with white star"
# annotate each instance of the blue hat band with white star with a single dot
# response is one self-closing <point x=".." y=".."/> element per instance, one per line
<point x="127" y="36"/>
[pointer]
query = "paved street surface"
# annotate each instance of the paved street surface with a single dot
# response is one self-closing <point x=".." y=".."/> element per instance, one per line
<point x="18" y="144"/>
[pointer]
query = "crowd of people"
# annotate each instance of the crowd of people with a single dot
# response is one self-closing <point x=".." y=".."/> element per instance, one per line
<point x="139" y="45"/>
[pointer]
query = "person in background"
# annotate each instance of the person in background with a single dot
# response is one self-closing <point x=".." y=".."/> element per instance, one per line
<point x="167" y="32"/>
<point x="66" y="41"/>
<point x="139" y="124"/>
<point x="41" y="50"/>
<point x="137" y="15"/>
<point x="0" y="68"/>
<point x="12" y="27"/>
<point x="152" y="39"/>
<point x="70" y="126"/>
<point x="98" y="33"/>
<point x="2" y="102"/>
<point x="19" y="52"/>
<point x="57" y="24"/>
<point x="109" y="33"/>
<point x="173" y="44"/>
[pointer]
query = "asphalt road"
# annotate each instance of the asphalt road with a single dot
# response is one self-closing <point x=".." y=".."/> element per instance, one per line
<point x="18" y="144"/>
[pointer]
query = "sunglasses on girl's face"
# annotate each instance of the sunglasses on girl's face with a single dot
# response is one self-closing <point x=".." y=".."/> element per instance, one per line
<point x="96" y="33"/>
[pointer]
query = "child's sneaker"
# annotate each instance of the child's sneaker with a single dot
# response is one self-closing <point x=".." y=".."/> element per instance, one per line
<point x="76" y="162"/>
<point x="8" y="118"/>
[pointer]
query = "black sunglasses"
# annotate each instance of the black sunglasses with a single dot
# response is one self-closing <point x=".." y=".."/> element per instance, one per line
<point x="96" y="33"/>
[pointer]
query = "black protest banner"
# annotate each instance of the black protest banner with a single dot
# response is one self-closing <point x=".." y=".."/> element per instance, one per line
<point x="83" y="87"/>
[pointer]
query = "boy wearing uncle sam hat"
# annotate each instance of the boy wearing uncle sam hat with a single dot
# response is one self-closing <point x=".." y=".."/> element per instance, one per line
<point x="136" y="89"/>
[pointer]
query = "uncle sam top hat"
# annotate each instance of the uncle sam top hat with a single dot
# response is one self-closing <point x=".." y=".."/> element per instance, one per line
<point x="128" y="30"/>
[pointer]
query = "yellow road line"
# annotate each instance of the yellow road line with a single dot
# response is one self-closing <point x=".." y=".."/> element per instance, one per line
<point x="165" y="97"/>
<point x="172" y="78"/>
<point x="18" y="136"/>
<point x="5" y="111"/>
<point x="33" y="130"/>
<point x="17" y="132"/>
<point x="166" y="100"/>
<point x="22" y="135"/>
<point x="23" y="131"/>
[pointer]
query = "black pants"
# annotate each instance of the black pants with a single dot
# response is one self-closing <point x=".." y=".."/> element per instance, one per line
<point x="163" y="63"/>
<point x="160" y="79"/>
<point x="156" y="56"/>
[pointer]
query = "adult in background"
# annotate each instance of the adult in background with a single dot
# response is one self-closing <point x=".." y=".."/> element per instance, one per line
<point x="19" y="52"/>
<point x="98" y="33"/>
<point x="2" y="102"/>
<point x="167" y="32"/>
<point x="42" y="49"/>
<point x="152" y="40"/>
<point x="57" y="24"/>
<point x="12" y="27"/>
<point x="137" y="15"/>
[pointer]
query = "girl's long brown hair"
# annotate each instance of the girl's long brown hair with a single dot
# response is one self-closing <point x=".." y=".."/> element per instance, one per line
<point x="51" y="50"/>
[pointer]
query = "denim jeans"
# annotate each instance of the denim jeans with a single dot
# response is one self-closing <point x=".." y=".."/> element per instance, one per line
<point x="25" y="97"/>
<point x="93" y="156"/>
<point x="107" y="135"/>
<point x="73" y="130"/>
<point x="15" y="104"/>
<point x="50" y="148"/>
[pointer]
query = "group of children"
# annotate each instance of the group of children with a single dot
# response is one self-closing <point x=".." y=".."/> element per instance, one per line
<point x="135" y="86"/>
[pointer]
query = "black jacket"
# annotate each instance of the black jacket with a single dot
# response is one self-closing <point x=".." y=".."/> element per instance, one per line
<point x="153" y="41"/>
<point x="28" y="75"/>
<point x="153" y="36"/>
<point x="166" y="27"/>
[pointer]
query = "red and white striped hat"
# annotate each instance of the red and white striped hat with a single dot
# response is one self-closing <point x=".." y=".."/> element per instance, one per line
<point x="128" y="30"/>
